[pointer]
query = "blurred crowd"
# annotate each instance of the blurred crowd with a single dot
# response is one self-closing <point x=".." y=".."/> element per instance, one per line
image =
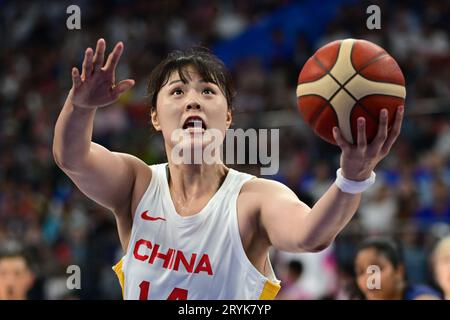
<point x="59" y="226"/>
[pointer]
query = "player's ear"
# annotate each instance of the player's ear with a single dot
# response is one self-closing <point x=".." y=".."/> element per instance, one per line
<point x="154" y="119"/>
<point x="229" y="118"/>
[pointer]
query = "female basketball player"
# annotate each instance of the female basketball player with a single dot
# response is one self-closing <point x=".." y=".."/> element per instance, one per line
<point x="385" y="255"/>
<point x="199" y="231"/>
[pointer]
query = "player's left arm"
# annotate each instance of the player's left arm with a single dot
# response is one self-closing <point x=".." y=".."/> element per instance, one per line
<point x="291" y="225"/>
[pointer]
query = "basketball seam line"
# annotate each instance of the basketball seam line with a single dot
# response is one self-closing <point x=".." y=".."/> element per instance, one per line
<point x="341" y="87"/>
<point x="316" y="116"/>
<point x="327" y="104"/>
<point x="375" y="118"/>
<point x="337" y="91"/>
<point x="368" y="64"/>
<point x="373" y="60"/>
<point x="380" y="56"/>
<point x="314" y="80"/>
<point x="358" y="102"/>
<point x="327" y="72"/>
<point x="365" y="66"/>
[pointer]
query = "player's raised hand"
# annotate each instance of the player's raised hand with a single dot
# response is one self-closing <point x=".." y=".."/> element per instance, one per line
<point x="96" y="86"/>
<point x="358" y="161"/>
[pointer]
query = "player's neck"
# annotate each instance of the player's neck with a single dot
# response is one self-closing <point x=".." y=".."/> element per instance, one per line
<point x="192" y="181"/>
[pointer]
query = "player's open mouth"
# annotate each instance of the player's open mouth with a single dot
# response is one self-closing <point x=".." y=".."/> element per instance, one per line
<point x="194" y="124"/>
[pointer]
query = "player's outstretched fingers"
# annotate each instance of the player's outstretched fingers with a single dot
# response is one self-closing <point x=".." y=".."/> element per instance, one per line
<point x="113" y="57"/>
<point x="87" y="64"/>
<point x="123" y="86"/>
<point x="341" y="142"/>
<point x="361" y="139"/>
<point x="395" y="132"/>
<point x="99" y="54"/>
<point x="76" y="79"/>
<point x="382" y="133"/>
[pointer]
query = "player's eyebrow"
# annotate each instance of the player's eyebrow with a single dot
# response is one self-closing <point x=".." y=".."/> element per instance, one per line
<point x="179" y="80"/>
<point x="174" y="81"/>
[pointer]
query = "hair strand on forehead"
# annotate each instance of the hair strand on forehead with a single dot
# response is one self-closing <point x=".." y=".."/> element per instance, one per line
<point x="202" y="60"/>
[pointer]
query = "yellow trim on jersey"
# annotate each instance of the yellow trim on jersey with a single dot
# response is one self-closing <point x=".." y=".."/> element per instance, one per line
<point x="119" y="273"/>
<point x="269" y="291"/>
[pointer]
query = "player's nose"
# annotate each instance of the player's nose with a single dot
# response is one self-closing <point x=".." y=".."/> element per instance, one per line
<point x="192" y="105"/>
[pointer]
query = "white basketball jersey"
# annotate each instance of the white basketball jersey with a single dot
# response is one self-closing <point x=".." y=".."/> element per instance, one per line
<point x="195" y="257"/>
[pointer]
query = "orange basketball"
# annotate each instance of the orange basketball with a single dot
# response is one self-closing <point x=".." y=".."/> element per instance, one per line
<point x="345" y="80"/>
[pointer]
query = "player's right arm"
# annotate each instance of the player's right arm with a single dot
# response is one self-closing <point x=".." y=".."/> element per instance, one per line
<point x="104" y="176"/>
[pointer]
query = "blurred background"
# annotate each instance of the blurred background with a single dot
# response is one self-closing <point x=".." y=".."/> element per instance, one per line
<point x="264" y="43"/>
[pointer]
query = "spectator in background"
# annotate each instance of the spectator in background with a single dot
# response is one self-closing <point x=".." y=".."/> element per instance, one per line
<point x="378" y="211"/>
<point x="393" y="285"/>
<point x="346" y="287"/>
<point x="439" y="210"/>
<point x="318" y="278"/>
<point x="292" y="288"/>
<point x="441" y="265"/>
<point x="320" y="181"/>
<point x="16" y="277"/>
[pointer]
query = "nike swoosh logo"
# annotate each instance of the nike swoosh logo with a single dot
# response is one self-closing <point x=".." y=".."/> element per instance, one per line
<point x="145" y="216"/>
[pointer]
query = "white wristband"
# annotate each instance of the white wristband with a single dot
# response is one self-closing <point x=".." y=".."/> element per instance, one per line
<point x="351" y="186"/>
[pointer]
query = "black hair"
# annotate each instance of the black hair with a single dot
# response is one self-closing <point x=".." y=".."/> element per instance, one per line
<point x="15" y="250"/>
<point x="209" y="66"/>
<point x="296" y="267"/>
<point x="386" y="247"/>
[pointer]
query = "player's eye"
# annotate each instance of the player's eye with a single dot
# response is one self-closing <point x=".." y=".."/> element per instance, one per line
<point x="208" y="91"/>
<point x="176" y="91"/>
